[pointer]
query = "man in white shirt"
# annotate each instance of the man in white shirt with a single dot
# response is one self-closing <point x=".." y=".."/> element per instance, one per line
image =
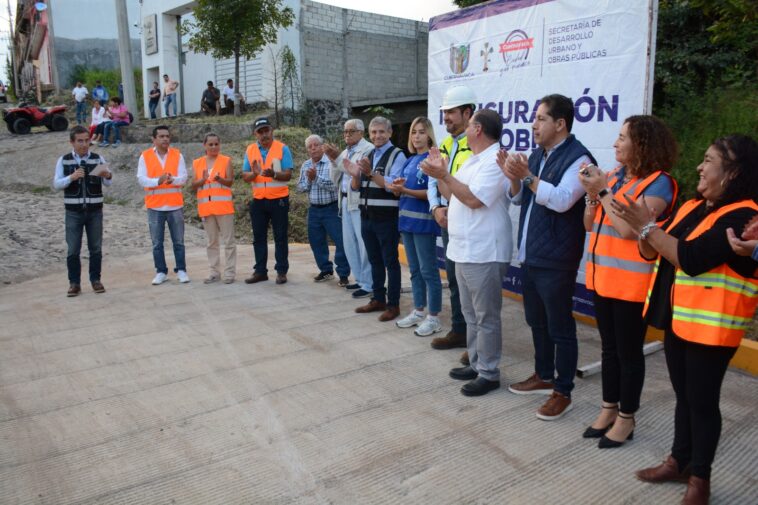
<point x="79" y="175"/>
<point x="228" y="96"/>
<point x="551" y="243"/>
<point x="162" y="172"/>
<point x="80" y="99"/>
<point x="480" y="245"/>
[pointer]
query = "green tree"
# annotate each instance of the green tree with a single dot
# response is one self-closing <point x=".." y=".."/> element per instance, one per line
<point x="468" y="3"/>
<point x="290" y="80"/>
<point x="234" y="28"/>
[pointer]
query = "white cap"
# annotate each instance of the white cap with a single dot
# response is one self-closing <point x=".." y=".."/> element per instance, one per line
<point x="458" y="96"/>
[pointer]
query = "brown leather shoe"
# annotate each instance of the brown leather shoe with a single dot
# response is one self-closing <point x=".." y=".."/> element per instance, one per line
<point x="74" y="290"/>
<point x="256" y="277"/>
<point x="98" y="287"/>
<point x="371" y="306"/>
<point x="391" y="313"/>
<point x="281" y="278"/>
<point x="449" y="341"/>
<point x="532" y="386"/>
<point x="668" y="471"/>
<point x="464" y="359"/>
<point x="698" y="491"/>
<point x="555" y="407"/>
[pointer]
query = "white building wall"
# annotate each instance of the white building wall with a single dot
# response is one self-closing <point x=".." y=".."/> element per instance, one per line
<point x="256" y="81"/>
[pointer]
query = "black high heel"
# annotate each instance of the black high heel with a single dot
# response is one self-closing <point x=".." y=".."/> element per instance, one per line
<point x="591" y="432"/>
<point x="607" y="443"/>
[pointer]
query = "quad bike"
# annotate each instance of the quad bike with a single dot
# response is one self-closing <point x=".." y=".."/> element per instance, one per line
<point x="21" y="119"/>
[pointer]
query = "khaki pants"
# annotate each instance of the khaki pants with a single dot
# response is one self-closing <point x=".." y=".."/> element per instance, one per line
<point x="221" y="227"/>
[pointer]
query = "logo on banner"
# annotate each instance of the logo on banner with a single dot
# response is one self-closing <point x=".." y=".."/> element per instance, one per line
<point x="485" y="53"/>
<point x="515" y="49"/>
<point x="459" y="57"/>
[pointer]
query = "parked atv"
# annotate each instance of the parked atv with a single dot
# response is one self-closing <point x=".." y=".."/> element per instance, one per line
<point x="21" y="119"/>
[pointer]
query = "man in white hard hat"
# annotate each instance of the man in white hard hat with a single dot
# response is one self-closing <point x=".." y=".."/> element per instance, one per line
<point x="458" y="107"/>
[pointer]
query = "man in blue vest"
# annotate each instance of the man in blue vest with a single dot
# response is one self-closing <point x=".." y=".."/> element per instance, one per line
<point x="81" y="178"/>
<point x="550" y="245"/>
<point x="379" y="216"/>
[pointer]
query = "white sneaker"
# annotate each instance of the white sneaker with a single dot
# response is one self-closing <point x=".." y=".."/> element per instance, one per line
<point x="160" y="278"/>
<point x="182" y="276"/>
<point x="428" y="327"/>
<point x="411" y="319"/>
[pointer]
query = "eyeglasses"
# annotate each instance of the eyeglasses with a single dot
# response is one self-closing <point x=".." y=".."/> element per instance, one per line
<point x="349" y="132"/>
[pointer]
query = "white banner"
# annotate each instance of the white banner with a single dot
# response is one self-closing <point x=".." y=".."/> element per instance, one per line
<point x="513" y="52"/>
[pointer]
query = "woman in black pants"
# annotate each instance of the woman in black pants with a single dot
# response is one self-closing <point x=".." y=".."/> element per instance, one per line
<point x="704" y="296"/>
<point x="645" y="150"/>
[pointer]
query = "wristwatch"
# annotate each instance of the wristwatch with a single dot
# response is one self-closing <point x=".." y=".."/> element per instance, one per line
<point x="528" y="180"/>
<point x="601" y="194"/>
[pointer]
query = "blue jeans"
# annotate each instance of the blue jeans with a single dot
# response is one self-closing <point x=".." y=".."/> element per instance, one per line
<point x="81" y="112"/>
<point x="457" y="319"/>
<point x="323" y="221"/>
<point x="548" y="304"/>
<point x="170" y="99"/>
<point x="355" y="249"/>
<point x="116" y="127"/>
<point x="421" y="251"/>
<point x="157" y="220"/>
<point x="152" y="106"/>
<point x="262" y="212"/>
<point x="77" y="221"/>
<point x="382" y="238"/>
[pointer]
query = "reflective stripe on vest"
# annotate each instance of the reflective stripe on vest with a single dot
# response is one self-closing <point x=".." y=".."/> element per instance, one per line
<point x="164" y="195"/>
<point x="267" y="187"/>
<point x="614" y="266"/>
<point x="79" y="201"/>
<point x="716" y="307"/>
<point x="416" y="215"/>
<point x="213" y="198"/>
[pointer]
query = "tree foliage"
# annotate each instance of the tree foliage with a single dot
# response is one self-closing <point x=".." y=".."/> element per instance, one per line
<point x="235" y="28"/>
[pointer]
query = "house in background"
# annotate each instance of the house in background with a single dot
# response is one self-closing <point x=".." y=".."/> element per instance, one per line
<point x="348" y="61"/>
<point x="52" y="37"/>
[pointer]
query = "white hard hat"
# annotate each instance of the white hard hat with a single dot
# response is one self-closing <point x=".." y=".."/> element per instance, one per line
<point x="458" y="96"/>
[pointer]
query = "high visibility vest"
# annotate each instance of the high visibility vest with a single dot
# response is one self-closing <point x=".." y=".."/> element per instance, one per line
<point x="213" y="198"/>
<point x="614" y="266"/>
<point x="166" y="194"/>
<point x="461" y="154"/>
<point x="716" y="307"/>
<point x="267" y="187"/>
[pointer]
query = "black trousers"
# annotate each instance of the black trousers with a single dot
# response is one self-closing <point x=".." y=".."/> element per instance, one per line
<point x="622" y="334"/>
<point x="276" y="212"/>
<point x="696" y="372"/>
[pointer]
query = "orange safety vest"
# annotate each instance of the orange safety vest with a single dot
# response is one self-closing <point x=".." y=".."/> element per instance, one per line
<point x="166" y="194"/>
<point x="267" y="187"/>
<point x="716" y="307"/>
<point x="213" y="198"/>
<point x="614" y="266"/>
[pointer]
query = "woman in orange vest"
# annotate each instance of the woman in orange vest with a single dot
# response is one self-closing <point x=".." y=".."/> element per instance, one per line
<point x="213" y="183"/>
<point x="645" y="150"/>
<point x="703" y="295"/>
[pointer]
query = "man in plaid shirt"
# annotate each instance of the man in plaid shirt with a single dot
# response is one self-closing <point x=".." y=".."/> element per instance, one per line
<point x="323" y="215"/>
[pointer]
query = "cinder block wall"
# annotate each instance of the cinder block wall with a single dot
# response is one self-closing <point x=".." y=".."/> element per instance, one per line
<point x="386" y="56"/>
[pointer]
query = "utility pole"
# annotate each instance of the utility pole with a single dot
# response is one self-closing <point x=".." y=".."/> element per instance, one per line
<point x="16" y="89"/>
<point x="51" y="47"/>
<point x="125" y="53"/>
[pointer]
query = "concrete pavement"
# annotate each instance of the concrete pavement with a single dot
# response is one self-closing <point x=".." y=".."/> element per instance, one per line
<point x="266" y="394"/>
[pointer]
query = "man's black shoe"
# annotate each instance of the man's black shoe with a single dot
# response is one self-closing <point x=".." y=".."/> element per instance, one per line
<point x="351" y="287"/>
<point x="464" y="373"/>
<point x="479" y="386"/>
<point x="323" y="276"/>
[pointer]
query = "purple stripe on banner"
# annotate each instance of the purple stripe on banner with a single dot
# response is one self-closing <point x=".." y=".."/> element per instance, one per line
<point x="483" y="11"/>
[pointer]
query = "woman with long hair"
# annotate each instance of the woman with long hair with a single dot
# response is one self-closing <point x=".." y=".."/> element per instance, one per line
<point x="703" y="295"/>
<point x="419" y="231"/>
<point x="645" y="151"/>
